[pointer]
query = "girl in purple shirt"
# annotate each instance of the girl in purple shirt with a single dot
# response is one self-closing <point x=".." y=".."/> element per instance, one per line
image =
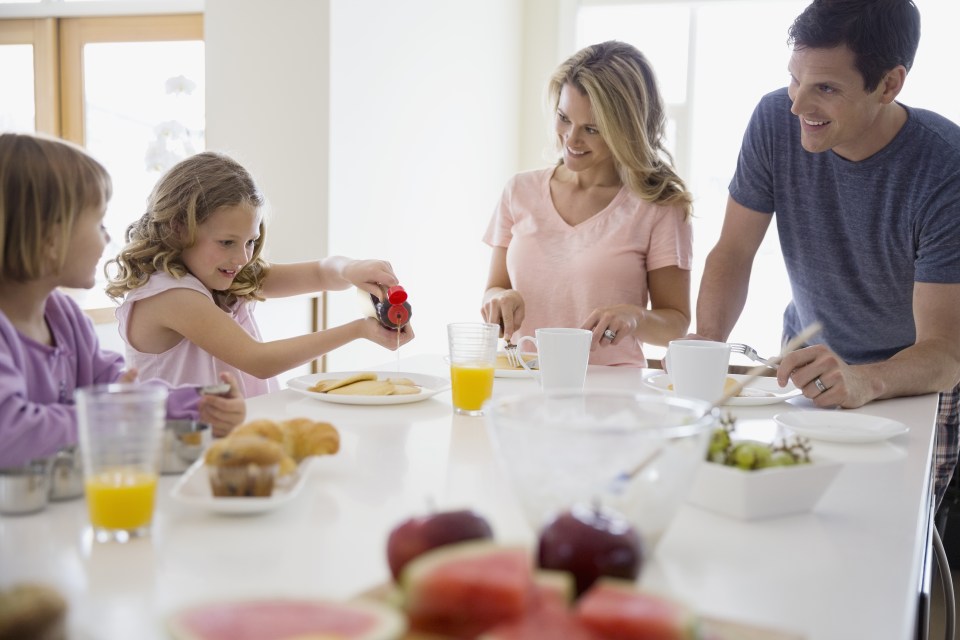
<point x="53" y="198"/>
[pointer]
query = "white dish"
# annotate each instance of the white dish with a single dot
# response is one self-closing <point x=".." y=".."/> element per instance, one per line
<point x="429" y="386"/>
<point x="762" y="493"/>
<point x="512" y="373"/>
<point x="193" y="489"/>
<point x="504" y="370"/>
<point x="760" y="391"/>
<point x="840" y="426"/>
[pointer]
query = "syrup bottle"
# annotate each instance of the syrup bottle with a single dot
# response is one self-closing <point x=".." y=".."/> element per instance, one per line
<point x="391" y="309"/>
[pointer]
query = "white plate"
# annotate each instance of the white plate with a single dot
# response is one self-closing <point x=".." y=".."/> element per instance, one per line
<point x="193" y="489"/>
<point x="504" y="370"/>
<point x="513" y="373"/>
<point x="763" y="390"/>
<point x="840" y="426"/>
<point x="429" y="386"/>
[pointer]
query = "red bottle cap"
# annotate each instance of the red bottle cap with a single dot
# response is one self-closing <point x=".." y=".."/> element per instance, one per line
<point x="396" y="295"/>
<point x="398" y="315"/>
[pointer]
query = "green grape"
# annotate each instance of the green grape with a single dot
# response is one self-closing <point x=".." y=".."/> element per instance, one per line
<point x="719" y="443"/>
<point x="748" y="454"/>
<point x="782" y="459"/>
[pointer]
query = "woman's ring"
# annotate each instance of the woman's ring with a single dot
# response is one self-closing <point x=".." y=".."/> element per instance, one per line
<point x="817" y="381"/>
<point x="609" y="335"/>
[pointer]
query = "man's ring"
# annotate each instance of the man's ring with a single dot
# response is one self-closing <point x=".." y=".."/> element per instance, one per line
<point x="609" y="335"/>
<point x="817" y="381"/>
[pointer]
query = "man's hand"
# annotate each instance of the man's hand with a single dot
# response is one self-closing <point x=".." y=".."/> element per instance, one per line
<point x="825" y="378"/>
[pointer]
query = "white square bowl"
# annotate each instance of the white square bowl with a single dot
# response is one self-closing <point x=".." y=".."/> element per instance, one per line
<point x="761" y="493"/>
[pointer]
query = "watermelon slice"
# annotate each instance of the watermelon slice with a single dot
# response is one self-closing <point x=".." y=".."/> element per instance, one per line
<point x="463" y="589"/>
<point x="617" y="610"/>
<point x="549" y="616"/>
<point x="554" y="587"/>
<point x="547" y="621"/>
<point x="283" y="619"/>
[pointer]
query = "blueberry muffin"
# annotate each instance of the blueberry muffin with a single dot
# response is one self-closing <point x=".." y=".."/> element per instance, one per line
<point x="243" y="466"/>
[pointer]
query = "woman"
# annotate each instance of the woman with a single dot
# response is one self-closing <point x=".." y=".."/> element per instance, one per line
<point x="601" y="240"/>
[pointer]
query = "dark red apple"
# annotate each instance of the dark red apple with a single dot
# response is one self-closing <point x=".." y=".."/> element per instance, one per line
<point x="589" y="542"/>
<point x="414" y="536"/>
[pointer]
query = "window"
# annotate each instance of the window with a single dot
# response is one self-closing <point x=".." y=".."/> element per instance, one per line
<point x="130" y="90"/>
<point x="714" y="60"/>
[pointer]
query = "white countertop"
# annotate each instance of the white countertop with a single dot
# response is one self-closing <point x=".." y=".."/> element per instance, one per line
<point x="851" y="569"/>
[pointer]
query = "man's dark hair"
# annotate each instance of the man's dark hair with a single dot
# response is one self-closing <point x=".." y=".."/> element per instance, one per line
<point x="881" y="33"/>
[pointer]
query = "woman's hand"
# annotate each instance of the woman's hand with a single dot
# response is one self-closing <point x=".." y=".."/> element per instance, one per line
<point x="377" y="333"/>
<point x="226" y="411"/>
<point x="620" y="321"/>
<point x="369" y="275"/>
<point x="504" y="307"/>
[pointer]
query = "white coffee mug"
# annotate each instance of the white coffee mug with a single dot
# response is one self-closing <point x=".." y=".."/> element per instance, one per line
<point x="563" y="355"/>
<point x="698" y="368"/>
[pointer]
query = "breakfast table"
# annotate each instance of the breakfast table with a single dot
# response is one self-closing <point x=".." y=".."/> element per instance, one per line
<point x="857" y="566"/>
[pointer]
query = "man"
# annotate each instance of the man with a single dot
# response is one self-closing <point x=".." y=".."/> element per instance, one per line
<point x="867" y="197"/>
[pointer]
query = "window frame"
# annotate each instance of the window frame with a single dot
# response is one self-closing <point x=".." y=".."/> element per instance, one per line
<point x="43" y="34"/>
<point x="75" y="33"/>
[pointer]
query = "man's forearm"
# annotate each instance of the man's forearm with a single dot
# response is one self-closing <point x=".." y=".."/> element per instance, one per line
<point x="925" y="367"/>
<point x="723" y="293"/>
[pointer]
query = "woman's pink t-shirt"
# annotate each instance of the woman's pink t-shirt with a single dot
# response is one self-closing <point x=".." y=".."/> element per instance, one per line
<point x="186" y="363"/>
<point x="565" y="272"/>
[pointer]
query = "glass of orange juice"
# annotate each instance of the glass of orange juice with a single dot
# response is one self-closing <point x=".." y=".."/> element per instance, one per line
<point x="473" y="354"/>
<point x="121" y="435"/>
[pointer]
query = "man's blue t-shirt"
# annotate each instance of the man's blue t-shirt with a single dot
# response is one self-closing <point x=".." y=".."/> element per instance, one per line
<point x="856" y="236"/>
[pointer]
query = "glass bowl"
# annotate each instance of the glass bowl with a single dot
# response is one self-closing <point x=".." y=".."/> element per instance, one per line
<point x="637" y="454"/>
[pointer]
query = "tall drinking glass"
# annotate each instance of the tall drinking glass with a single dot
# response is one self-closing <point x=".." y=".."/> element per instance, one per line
<point x="473" y="355"/>
<point x="121" y="435"/>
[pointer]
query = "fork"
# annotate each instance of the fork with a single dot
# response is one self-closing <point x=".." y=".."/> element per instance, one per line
<point x="750" y="352"/>
<point x="513" y="358"/>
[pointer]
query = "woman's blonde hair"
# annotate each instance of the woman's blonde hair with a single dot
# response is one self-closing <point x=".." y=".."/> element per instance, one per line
<point x="181" y="201"/>
<point x="629" y="112"/>
<point x="45" y="183"/>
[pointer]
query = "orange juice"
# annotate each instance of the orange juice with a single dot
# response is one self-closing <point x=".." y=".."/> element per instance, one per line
<point x="472" y="385"/>
<point x="121" y="498"/>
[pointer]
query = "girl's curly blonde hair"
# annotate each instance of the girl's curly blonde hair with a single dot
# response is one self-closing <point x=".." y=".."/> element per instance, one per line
<point x="182" y="200"/>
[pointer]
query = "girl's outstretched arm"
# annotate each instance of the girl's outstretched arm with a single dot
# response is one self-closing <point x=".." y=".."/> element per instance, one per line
<point x="191" y="315"/>
<point x="334" y="273"/>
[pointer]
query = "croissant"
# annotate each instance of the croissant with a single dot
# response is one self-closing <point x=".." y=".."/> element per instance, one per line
<point x="304" y="437"/>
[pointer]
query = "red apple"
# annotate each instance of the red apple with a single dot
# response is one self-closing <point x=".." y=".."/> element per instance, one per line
<point x="590" y="542"/>
<point x="417" y="535"/>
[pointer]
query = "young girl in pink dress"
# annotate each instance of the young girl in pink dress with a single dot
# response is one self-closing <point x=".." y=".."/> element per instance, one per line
<point x="191" y="273"/>
<point x="53" y="197"/>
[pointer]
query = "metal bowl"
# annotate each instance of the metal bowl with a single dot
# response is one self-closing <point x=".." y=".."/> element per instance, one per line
<point x="183" y="442"/>
<point x="25" y="489"/>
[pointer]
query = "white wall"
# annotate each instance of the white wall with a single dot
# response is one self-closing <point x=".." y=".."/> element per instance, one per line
<point x="383" y="129"/>
<point x="424" y="128"/>
<point x="268" y="106"/>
